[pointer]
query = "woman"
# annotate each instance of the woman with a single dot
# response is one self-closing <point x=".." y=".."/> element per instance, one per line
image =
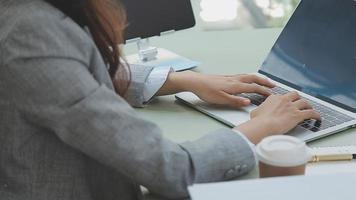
<point x="67" y="132"/>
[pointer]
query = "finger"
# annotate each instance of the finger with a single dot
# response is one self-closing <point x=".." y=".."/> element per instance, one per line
<point x="254" y="88"/>
<point x="234" y="101"/>
<point x="310" y="114"/>
<point x="292" y="96"/>
<point x="302" y="104"/>
<point x="256" y="79"/>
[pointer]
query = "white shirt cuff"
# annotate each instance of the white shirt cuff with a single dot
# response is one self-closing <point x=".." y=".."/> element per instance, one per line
<point x="155" y="81"/>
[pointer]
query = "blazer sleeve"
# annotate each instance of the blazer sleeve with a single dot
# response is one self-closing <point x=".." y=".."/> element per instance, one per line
<point x="44" y="73"/>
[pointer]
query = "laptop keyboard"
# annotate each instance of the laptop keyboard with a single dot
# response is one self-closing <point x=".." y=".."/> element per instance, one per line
<point x="330" y="117"/>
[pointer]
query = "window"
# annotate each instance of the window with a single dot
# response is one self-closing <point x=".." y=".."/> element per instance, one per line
<point x="245" y="13"/>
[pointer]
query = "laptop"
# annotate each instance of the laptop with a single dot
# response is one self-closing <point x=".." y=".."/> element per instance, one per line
<point x="315" y="55"/>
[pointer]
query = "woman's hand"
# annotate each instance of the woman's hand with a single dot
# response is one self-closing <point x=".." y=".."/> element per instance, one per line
<point x="217" y="89"/>
<point x="277" y="115"/>
<point x="222" y="90"/>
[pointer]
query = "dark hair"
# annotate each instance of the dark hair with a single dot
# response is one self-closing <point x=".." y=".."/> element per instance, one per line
<point x="106" y="21"/>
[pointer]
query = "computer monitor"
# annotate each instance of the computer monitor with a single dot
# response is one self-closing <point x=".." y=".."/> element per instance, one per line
<point x="149" y="18"/>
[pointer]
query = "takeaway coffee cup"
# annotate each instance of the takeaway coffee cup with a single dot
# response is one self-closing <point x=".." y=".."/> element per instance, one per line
<point x="282" y="156"/>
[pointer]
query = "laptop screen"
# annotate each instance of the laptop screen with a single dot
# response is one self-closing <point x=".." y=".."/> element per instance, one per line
<point x="316" y="52"/>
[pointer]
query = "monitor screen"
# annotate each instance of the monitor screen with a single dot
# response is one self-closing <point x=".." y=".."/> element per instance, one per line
<point x="147" y="18"/>
<point x="316" y="52"/>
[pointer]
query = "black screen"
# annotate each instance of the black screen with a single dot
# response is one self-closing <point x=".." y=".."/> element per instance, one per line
<point x="316" y="52"/>
<point x="147" y="18"/>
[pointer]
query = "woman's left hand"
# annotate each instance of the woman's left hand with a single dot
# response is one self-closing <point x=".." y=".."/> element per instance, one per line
<point x="221" y="90"/>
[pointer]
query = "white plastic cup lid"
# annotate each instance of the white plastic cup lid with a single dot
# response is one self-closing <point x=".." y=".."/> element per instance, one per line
<point x="283" y="151"/>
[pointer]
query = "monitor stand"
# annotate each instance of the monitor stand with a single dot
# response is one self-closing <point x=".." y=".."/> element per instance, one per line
<point x="158" y="57"/>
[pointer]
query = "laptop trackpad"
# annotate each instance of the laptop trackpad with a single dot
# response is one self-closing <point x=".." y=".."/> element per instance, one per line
<point x="231" y="117"/>
<point x="300" y="133"/>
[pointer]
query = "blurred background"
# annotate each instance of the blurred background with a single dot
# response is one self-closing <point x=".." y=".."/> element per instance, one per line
<point x="238" y="14"/>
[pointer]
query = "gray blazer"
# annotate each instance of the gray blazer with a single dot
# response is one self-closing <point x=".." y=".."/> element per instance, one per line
<point x="66" y="135"/>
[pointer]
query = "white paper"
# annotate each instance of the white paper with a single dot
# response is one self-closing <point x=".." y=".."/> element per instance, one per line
<point x="325" y="187"/>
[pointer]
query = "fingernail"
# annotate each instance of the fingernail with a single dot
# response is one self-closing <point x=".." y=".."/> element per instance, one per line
<point x="247" y="102"/>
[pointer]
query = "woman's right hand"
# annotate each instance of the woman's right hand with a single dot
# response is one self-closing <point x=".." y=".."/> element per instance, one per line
<point x="277" y="115"/>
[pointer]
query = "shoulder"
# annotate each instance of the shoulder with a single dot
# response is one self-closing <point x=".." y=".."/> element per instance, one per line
<point x="36" y="29"/>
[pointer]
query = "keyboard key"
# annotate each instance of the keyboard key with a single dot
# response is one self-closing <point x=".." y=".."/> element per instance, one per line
<point x="307" y="126"/>
<point x="314" y="129"/>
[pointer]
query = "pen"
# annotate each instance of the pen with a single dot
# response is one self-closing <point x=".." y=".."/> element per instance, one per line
<point x="335" y="157"/>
